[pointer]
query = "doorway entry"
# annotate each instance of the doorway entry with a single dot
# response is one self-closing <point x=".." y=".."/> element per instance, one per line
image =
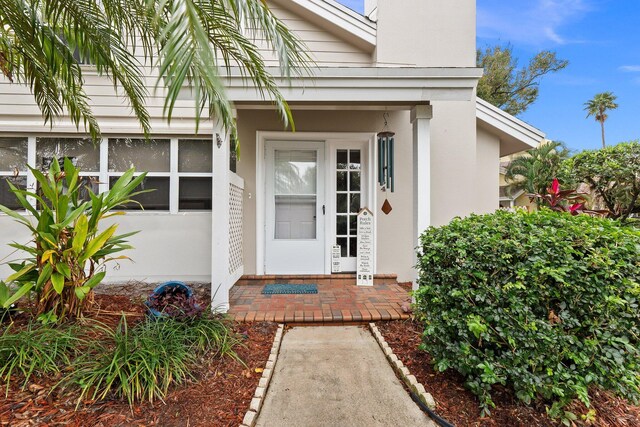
<point x="313" y="191"/>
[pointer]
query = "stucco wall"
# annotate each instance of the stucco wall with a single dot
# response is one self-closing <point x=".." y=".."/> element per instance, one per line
<point x="487" y="170"/>
<point x="167" y="247"/>
<point x="427" y="33"/>
<point x="453" y="161"/>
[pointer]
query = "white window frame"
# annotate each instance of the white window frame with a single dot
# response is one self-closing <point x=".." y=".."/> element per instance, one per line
<point x="104" y="174"/>
<point x="175" y="151"/>
<point x="171" y="174"/>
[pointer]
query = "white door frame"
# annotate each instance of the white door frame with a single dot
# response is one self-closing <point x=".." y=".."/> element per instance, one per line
<point x="263" y="136"/>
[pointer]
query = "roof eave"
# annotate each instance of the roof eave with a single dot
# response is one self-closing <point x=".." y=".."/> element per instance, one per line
<point x="515" y="135"/>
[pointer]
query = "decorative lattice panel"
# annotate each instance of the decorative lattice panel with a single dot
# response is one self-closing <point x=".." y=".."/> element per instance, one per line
<point x="235" y="228"/>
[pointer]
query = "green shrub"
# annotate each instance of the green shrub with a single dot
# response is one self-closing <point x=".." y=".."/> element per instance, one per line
<point x="142" y="362"/>
<point x="543" y="303"/>
<point x="36" y="350"/>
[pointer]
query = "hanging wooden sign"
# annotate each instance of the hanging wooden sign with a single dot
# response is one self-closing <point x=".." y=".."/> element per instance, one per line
<point x="364" y="259"/>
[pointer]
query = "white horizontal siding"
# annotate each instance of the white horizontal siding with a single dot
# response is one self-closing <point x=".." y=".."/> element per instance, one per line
<point x="18" y="111"/>
<point x="327" y="49"/>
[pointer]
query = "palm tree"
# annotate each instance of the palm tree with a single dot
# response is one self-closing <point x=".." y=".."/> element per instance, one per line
<point x="598" y="107"/>
<point x="188" y="42"/>
<point x="535" y="171"/>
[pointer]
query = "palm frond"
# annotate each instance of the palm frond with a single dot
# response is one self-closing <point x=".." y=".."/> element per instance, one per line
<point x="194" y="44"/>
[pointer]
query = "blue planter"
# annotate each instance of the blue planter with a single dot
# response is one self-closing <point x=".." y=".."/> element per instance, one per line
<point x="161" y="289"/>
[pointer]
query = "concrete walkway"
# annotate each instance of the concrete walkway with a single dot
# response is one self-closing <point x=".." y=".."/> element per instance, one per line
<point x="336" y="376"/>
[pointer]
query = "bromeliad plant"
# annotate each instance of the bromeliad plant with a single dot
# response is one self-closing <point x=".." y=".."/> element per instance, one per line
<point x="68" y="250"/>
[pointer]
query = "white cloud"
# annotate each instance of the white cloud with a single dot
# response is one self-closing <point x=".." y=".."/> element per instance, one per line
<point x="630" y="68"/>
<point x="535" y="22"/>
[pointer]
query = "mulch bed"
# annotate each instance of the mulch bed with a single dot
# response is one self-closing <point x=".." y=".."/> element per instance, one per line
<point x="219" y="396"/>
<point x="460" y="407"/>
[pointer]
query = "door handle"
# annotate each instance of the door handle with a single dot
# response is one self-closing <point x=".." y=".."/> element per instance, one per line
<point x="323" y="210"/>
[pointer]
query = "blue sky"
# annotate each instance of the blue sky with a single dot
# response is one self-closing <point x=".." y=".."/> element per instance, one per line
<point x="601" y="40"/>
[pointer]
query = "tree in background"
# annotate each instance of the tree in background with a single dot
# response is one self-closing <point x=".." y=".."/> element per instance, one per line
<point x="510" y="88"/>
<point x="598" y="107"/>
<point x="189" y="42"/>
<point x="613" y="176"/>
<point x="535" y="171"/>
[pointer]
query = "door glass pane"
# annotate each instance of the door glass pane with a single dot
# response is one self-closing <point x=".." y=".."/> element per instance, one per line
<point x="342" y="203"/>
<point x="353" y="247"/>
<point x="354" y="181"/>
<point x="342" y="242"/>
<point x="354" y="159"/>
<point x="341" y="181"/>
<point x="341" y="225"/>
<point x="355" y="203"/>
<point x="342" y="157"/>
<point x="353" y="225"/>
<point x="295" y="194"/>
<point x="83" y="153"/>
<point x="295" y="172"/>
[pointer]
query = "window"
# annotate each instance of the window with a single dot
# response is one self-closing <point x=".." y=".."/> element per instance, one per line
<point x="13" y="168"/>
<point x="83" y="153"/>
<point x="195" y="157"/>
<point x="179" y="171"/>
<point x="150" y="156"/>
<point x="348" y="189"/>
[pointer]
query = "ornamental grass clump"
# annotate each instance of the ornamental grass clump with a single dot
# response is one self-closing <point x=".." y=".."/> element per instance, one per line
<point x="36" y="350"/>
<point x="141" y="362"/>
<point x="545" y="304"/>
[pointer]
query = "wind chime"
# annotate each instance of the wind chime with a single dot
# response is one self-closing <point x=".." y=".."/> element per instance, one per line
<point x="386" y="178"/>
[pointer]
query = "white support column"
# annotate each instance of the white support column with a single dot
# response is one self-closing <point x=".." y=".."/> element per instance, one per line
<point x="421" y="120"/>
<point x="220" y="228"/>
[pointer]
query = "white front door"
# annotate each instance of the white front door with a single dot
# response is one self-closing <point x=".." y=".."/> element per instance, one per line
<point x="295" y="208"/>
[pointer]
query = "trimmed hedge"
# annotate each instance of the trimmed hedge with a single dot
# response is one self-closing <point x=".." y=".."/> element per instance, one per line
<point x="543" y="303"/>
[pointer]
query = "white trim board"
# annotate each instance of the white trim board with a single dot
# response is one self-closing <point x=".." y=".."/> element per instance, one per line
<point x="374" y="85"/>
<point x="261" y="138"/>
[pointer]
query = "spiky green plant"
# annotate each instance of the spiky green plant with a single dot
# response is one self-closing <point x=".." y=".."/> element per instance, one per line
<point x="68" y="247"/>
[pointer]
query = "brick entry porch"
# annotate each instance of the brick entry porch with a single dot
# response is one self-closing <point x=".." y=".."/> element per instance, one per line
<point x="338" y="300"/>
